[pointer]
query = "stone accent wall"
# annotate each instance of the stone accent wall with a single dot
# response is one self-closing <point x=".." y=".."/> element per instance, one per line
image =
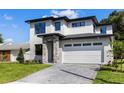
<point x="60" y="51"/>
<point x="56" y="53"/>
<point x="45" y="53"/>
<point x="56" y="49"/>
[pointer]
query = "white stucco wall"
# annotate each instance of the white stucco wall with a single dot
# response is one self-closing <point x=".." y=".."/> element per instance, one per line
<point x="33" y="40"/>
<point x="108" y="29"/>
<point x="66" y="28"/>
<point x="88" y="28"/>
<point x="14" y="54"/>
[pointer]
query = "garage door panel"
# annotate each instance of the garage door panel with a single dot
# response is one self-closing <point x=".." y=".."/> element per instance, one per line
<point x="82" y="49"/>
<point x="81" y="55"/>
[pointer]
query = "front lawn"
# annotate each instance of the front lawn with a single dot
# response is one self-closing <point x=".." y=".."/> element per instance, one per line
<point x="108" y="75"/>
<point x="13" y="71"/>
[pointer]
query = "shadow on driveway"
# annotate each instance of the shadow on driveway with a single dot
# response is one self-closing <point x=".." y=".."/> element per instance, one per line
<point x="76" y="74"/>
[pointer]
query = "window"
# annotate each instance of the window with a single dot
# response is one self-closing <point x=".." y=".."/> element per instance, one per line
<point x="57" y="26"/>
<point x="103" y="30"/>
<point x="97" y="44"/>
<point x="86" y="44"/>
<point x="82" y="23"/>
<point x="40" y="28"/>
<point x="27" y="50"/>
<point x="94" y="28"/>
<point x="38" y="49"/>
<point x="76" y="44"/>
<point x="67" y="45"/>
<point x="78" y="24"/>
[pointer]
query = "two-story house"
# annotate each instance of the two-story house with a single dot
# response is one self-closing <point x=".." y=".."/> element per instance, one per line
<point x="64" y="40"/>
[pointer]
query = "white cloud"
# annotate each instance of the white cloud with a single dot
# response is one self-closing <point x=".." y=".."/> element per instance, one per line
<point x="14" y="26"/>
<point x="48" y="16"/>
<point x="7" y="17"/>
<point x="54" y="16"/>
<point x="8" y="41"/>
<point x="69" y="13"/>
<point x="44" y="16"/>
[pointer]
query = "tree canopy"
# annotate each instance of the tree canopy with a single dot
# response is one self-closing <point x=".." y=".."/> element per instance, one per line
<point x="1" y="39"/>
<point x="117" y="19"/>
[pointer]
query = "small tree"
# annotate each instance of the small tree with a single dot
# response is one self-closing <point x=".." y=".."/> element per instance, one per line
<point x="118" y="49"/>
<point x="20" y="56"/>
<point x="122" y="55"/>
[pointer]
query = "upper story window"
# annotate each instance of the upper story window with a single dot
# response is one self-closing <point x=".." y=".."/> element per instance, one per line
<point x="94" y="28"/>
<point x="40" y="27"/>
<point x="78" y="24"/>
<point x="57" y="26"/>
<point x="103" y="30"/>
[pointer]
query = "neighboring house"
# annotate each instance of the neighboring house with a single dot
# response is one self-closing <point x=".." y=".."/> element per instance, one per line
<point x="64" y="40"/>
<point x="9" y="52"/>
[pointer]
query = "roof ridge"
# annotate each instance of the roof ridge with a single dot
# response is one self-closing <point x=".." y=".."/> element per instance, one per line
<point x="63" y="17"/>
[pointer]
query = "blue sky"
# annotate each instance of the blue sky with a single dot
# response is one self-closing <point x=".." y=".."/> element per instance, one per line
<point x="14" y="29"/>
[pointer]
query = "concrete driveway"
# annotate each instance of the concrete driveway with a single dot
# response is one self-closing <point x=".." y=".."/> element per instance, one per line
<point x="63" y="74"/>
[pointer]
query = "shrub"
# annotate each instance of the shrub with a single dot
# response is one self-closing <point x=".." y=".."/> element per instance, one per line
<point x="30" y="62"/>
<point x="20" y="57"/>
<point x="118" y="51"/>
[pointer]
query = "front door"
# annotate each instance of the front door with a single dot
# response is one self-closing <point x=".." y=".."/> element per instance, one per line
<point x="5" y="55"/>
<point x="50" y="51"/>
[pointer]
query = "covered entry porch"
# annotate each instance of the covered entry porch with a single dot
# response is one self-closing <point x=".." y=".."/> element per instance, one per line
<point x="51" y="48"/>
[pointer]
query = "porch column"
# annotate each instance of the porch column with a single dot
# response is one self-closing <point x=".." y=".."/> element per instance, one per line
<point x="56" y="49"/>
<point x="45" y="53"/>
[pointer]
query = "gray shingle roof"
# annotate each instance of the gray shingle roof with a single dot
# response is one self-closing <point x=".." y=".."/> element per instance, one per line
<point x="87" y="35"/>
<point x="14" y="46"/>
<point x="64" y="18"/>
<point x="48" y="34"/>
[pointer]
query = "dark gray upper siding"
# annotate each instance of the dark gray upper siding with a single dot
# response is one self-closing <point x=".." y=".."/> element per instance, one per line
<point x="76" y="36"/>
<point x="50" y="34"/>
<point x="88" y="35"/>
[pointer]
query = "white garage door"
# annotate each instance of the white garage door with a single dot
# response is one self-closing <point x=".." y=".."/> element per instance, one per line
<point x="82" y="54"/>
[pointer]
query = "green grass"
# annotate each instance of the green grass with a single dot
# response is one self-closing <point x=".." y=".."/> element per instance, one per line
<point x="108" y="75"/>
<point x="13" y="71"/>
